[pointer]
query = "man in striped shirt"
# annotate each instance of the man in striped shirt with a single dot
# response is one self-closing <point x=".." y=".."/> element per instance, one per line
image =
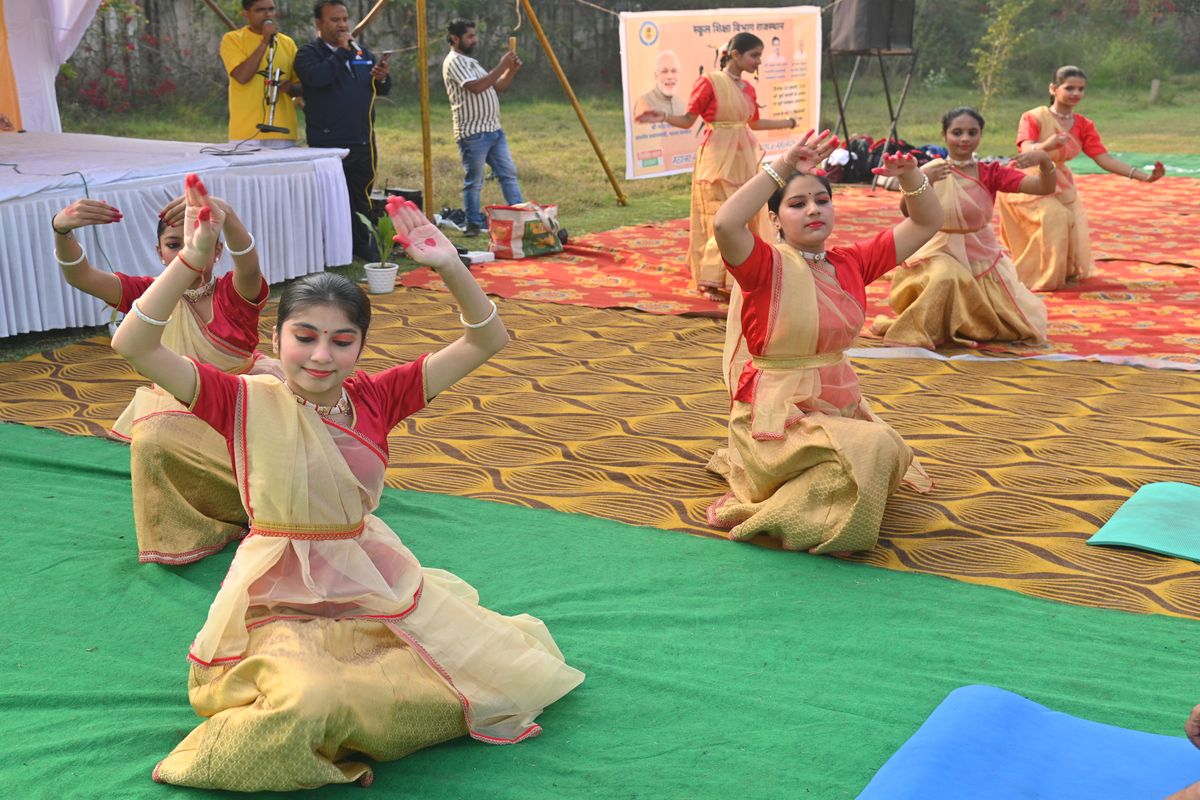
<point x="476" y="111"/>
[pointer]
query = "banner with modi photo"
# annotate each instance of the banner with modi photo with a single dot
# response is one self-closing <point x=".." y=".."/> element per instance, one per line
<point x="664" y="54"/>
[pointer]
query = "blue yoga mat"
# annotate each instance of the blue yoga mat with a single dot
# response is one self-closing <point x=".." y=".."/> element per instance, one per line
<point x="1160" y="517"/>
<point x="984" y="743"/>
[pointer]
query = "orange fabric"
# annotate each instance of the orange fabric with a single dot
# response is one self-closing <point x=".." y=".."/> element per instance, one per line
<point x="10" y="102"/>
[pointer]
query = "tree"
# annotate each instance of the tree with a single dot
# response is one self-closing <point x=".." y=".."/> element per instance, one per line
<point x="994" y="56"/>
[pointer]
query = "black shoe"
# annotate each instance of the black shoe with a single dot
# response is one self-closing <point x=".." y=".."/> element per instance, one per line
<point x="472" y="230"/>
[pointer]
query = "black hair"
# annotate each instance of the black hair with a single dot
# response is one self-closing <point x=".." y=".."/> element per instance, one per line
<point x="162" y="227"/>
<point x="1062" y="73"/>
<point x="458" y="27"/>
<point x="326" y="288"/>
<point x="777" y="198"/>
<point x="958" y="112"/>
<point x="742" y="42"/>
<point x="247" y="3"/>
<point x="319" y="8"/>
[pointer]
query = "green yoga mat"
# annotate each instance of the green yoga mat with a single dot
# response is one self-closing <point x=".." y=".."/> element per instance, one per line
<point x="714" y="669"/>
<point x="1179" y="165"/>
<point x="1159" y="517"/>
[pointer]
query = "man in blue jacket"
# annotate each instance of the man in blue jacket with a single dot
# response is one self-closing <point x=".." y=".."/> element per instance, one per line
<point x="341" y="80"/>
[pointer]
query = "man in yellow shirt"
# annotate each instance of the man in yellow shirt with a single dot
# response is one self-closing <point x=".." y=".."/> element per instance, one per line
<point x="246" y="53"/>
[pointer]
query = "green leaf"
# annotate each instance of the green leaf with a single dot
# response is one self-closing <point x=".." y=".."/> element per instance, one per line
<point x="384" y="232"/>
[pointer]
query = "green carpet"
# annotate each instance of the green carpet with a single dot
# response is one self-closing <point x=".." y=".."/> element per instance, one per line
<point x="714" y="669"/>
<point x="1178" y="165"/>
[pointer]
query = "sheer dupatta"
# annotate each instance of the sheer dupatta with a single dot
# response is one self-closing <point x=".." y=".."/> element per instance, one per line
<point x="730" y="152"/>
<point x="308" y="487"/>
<point x="803" y="367"/>
<point x="316" y="551"/>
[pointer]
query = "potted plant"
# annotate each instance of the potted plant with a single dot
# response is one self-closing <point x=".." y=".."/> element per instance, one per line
<point x="381" y="275"/>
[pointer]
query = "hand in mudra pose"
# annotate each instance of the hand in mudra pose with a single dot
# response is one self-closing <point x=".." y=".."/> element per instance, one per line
<point x="811" y="150"/>
<point x="202" y="222"/>
<point x="85" y="212"/>
<point x="893" y="165"/>
<point x="1031" y="157"/>
<point x="419" y="237"/>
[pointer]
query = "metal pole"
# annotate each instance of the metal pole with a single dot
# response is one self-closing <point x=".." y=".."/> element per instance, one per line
<point x="426" y="135"/>
<point x="562" y="78"/>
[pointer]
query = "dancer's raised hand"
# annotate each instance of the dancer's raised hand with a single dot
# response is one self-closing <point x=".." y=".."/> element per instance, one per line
<point x="895" y="165"/>
<point x="811" y="150"/>
<point x="85" y="212"/>
<point x="419" y="237"/>
<point x="202" y="223"/>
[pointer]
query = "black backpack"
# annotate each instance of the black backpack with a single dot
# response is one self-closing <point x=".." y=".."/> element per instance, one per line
<point x="897" y="146"/>
<point x="858" y="169"/>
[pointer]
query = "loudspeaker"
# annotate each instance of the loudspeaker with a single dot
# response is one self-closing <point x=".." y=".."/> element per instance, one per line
<point x="864" y="25"/>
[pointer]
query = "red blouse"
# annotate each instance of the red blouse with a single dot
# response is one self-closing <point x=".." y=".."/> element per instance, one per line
<point x="997" y="177"/>
<point x="380" y="400"/>
<point x="703" y="102"/>
<point x="1083" y="130"/>
<point x="235" y="319"/>
<point x="855" y="266"/>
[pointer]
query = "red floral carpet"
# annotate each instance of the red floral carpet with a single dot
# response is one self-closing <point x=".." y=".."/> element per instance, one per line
<point x="641" y="267"/>
<point x="1143" y="301"/>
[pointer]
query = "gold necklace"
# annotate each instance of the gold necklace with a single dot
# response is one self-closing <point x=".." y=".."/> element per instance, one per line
<point x="342" y="406"/>
<point x="195" y="295"/>
<point x="962" y="164"/>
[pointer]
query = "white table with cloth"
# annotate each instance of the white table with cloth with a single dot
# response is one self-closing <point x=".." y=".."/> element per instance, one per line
<point x="294" y="201"/>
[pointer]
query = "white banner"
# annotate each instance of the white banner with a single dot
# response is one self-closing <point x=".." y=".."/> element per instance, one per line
<point x="664" y="53"/>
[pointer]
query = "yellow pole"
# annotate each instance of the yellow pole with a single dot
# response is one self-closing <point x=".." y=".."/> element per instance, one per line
<point x="562" y="78"/>
<point x="426" y="135"/>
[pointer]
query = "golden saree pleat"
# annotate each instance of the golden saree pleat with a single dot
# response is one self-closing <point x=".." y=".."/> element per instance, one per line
<point x="960" y="287"/>
<point x="806" y="462"/>
<point x="185" y="502"/>
<point x="330" y="638"/>
<point x="725" y="161"/>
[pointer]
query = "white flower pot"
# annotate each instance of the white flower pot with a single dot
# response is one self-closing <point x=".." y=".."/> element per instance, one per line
<point x="381" y="278"/>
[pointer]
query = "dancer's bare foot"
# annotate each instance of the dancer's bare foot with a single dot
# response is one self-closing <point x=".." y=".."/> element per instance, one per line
<point x="1192" y="728"/>
<point x="1190" y="793"/>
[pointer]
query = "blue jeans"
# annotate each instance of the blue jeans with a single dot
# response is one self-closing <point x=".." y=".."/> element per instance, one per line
<point x="492" y="149"/>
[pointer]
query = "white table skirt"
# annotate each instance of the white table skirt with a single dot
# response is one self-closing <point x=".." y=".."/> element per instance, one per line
<point x="293" y="201"/>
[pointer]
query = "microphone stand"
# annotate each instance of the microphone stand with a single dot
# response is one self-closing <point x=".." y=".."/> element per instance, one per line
<point x="271" y="92"/>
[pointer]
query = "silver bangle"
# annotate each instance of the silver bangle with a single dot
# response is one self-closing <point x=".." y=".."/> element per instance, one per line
<point x="767" y="168"/>
<point x="1131" y="171"/>
<point x="158" y="323"/>
<point x="249" y="247"/>
<point x="919" y="190"/>
<point x="61" y="263"/>
<point x="490" y="317"/>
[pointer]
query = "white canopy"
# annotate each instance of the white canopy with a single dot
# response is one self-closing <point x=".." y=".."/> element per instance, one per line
<point x="41" y="36"/>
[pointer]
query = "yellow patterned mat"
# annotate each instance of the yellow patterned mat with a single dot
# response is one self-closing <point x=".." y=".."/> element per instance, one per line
<point x="614" y="414"/>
